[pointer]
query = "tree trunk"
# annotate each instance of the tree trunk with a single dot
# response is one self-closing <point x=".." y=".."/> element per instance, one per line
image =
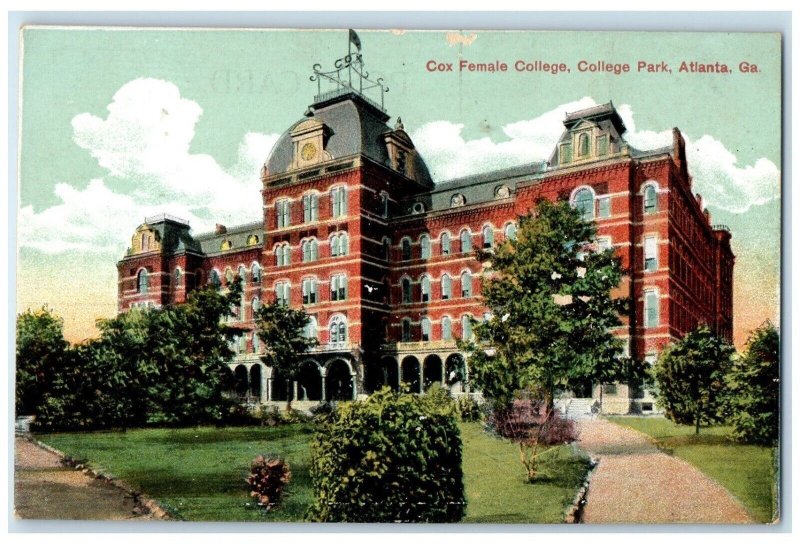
<point x="697" y="423"/>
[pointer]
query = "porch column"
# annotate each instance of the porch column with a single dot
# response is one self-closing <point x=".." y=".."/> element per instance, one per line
<point x="353" y="381"/>
<point x="264" y="386"/>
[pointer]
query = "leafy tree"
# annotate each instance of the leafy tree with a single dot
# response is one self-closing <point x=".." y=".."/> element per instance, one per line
<point x="281" y="328"/>
<point x="690" y="374"/>
<point x="41" y="349"/>
<point x="754" y="388"/>
<point x="549" y="292"/>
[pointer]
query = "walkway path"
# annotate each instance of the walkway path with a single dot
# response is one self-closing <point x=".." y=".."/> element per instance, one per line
<point x="44" y="489"/>
<point x="634" y="482"/>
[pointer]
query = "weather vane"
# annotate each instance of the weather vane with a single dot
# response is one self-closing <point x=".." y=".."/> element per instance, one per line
<point x="341" y="79"/>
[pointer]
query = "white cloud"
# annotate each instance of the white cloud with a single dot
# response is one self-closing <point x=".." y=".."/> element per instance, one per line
<point x="717" y="175"/>
<point x="144" y="144"/>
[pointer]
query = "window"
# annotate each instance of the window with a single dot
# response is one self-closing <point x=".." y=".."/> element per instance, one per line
<point x="511" y="231"/>
<point x="310" y="250"/>
<point x="242" y="271"/>
<point x="338" y="287"/>
<point x="566" y="153"/>
<point x="447" y="328"/>
<point x="466" y="241"/>
<point x="447" y="287"/>
<point x="255" y="273"/>
<point x="426" y="329"/>
<point x="466" y="327"/>
<point x="242" y="309"/>
<point x="256" y="343"/>
<point x="339" y="202"/>
<point x="445" y="243"/>
<point x="384" y="205"/>
<point x="610" y="389"/>
<point x="650" y="199"/>
<point x="425" y="246"/>
<point x="604" y="243"/>
<point x="282" y="293"/>
<point x="602" y="144"/>
<point x="142" y="281"/>
<point x="651" y="310"/>
<point x="225" y="245"/>
<point x="255" y="304"/>
<point x="650" y="254"/>
<point x="406" y="249"/>
<point x="310" y="208"/>
<point x="406" y="285"/>
<point x="466" y="285"/>
<point x="178" y="277"/>
<point x="283" y="210"/>
<point x="488" y="237"/>
<point x="310" y="330"/>
<point x="387" y="249"/>
<point x="309" y="291"/>
<point x="426" y="288"/>
<point x="583" y="145"/>
<point x="228" y="276"/>
<point x="584" y="202"/>
<point x="406" y="330"/>
<point x="339" y="244"/>
<point x="252" y="240"/>
<point x="213" y="279"/>
<point x="401" y="161"/>
<point x="604" y="207"/>
<point x="338" y="330"/>
<point x="282" y="255"/>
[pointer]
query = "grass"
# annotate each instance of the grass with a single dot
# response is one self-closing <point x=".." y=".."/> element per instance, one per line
<point x="198" y="474"/>
<point x="748" y="472"/>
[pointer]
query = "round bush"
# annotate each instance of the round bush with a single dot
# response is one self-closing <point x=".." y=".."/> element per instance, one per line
<point x="391" y="458"/>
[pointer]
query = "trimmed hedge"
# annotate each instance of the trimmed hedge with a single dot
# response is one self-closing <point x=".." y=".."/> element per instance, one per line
<point x="393" y="457"/>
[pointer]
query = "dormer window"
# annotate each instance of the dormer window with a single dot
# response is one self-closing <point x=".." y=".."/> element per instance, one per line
<point x="565" y="153"/>
<point x="602" y="144"/>
<point x="583" y="145"/>
<point x="401" y="161"/>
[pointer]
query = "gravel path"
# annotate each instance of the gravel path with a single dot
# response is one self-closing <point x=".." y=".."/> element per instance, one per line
<point x="634" y="482"/>
<point x="44" y="489"/>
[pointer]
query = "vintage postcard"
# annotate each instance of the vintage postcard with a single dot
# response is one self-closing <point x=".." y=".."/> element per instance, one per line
<point x="379" y="276"/>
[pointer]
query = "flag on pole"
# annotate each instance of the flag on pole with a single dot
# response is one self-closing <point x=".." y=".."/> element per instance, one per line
<point x="354" y="39"/>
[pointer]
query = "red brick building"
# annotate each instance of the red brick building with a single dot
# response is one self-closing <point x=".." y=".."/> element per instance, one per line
<point x="356" y="232"/>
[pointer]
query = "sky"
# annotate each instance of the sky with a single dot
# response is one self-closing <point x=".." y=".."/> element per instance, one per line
<point x="118" y="124"/>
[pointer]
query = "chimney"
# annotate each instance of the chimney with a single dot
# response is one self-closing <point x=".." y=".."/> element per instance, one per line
<point x="699" y="198"/>
<point x="220" y="229"/>
<point x="708" y="215"/>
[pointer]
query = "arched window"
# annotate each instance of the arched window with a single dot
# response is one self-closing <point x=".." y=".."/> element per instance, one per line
<point x="228" y="276"/>
<point x="142" y="281"/>
<point x="511" y="231"/>
<point x="338" y="330"/>
<point x="444" y="241"/>
<point x="287" y="255"/>
<point x="255" y="272"/>
<point x="447" y="287"/>
<point x="406" y="330"/>
<point x="242" y="274"/>
<point x="406" y="286"/>
<point x="426" y="288"/>
<point x="406" y="249"/>
<point x="310" y="208"/>
<point x="252" y="240"/>
<point x="338" y="287"/>
<point x="583" y="144"/>
<point x="334" y="245"/>
<point x="425" y="246"/>
<point x="447" y="328"/>
<point x="584" y="202"/>
<point x="384" y="205"/>
<point x="387" y="249"/>
<point x="466" y="284"/>
<point x="488" y="237"/>
<point x="242" y="309"/>
<point x="466" y="327"/>
<point x="310" y="330"/>
<point x="650" y="199"/>
<point x="466" y="241"/>
<point x="426" y="329"/>
<point x="256" y="343"/>
<point x="178" y="277"/>
<point x="213" y="279"/>
<point x="339" y="243"/>
<point x="255" y="304"/>
<point x="310" y="250"/>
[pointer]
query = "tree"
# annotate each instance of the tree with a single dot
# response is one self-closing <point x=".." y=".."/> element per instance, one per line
<point x="282" y="329"/>
<point x="754" y="388"/>
<point x="549" y="292"/>
<point x="690" y="374"/>
<point x="41" y="349"/>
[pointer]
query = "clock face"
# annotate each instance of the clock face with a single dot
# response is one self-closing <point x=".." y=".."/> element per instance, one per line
<point x="308" y="152"/>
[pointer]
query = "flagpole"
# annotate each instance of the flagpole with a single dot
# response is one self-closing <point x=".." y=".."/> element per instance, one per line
<point x="349" y="58"/>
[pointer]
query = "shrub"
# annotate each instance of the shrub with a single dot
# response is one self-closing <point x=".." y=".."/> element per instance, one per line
<point x="468" y="408"/>
<point x="439" y="400"/>
<point x="323" y="410"/>
<point x="535" y="427"/>
<point x="268" y="478"/>
<point x="269" y="416"/>
<point x="295" y="416"/>
<point x="392" y="457"/>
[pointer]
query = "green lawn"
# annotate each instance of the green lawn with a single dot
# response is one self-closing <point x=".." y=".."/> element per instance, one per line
<point x="746" y="471"/>
<point x="198" y="473"/>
